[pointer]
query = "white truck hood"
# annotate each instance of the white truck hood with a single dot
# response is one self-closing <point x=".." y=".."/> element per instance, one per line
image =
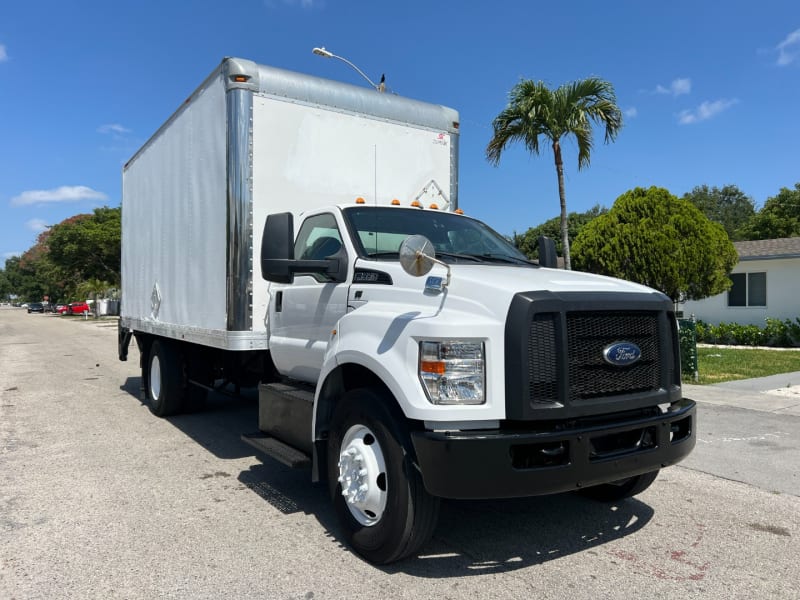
<point x="517" y="279"/>
<point x="489" y="289"/>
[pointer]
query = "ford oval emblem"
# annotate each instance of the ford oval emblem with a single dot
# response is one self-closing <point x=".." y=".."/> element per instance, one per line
<point x="622" y="354"/>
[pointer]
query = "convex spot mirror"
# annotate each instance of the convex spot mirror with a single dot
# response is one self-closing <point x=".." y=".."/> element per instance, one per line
<point x="417" y="255"/>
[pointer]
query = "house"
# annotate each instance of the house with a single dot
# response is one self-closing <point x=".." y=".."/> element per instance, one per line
<point x="766" y="283"/>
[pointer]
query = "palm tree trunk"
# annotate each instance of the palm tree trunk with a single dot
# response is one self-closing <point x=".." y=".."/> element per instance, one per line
<point x="562" y="197"/>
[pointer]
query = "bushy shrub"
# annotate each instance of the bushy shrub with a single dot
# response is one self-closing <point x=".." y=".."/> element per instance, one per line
<point x="782" y="334"/>
<point x="687" y="338"/>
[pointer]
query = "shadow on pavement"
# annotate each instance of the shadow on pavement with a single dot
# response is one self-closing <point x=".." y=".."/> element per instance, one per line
<point x="497" y="536"/>
<point x="472" y="538"/>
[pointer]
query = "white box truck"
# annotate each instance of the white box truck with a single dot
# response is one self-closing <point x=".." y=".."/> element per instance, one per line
<point x="304" y="235"/>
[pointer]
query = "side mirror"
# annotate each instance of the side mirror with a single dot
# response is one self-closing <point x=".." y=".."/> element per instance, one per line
<point x="547" y="252"/>
<point x="277" y="248"/>
<point x="277" y="254"/>
<point x="417" y="257"/>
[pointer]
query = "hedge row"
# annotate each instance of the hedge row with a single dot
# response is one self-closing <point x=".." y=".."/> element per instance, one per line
<point x="781" y="334"/>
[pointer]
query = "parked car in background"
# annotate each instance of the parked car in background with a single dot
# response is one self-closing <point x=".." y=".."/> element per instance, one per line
<point x="35" y="307"/>
<point x="75" y="308"/>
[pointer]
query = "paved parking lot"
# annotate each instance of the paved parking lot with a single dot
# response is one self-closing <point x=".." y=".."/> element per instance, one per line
<point x="100" y="499"/>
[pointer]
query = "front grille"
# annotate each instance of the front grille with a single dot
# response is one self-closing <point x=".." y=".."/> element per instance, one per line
<point x="543" y="359"/>
<point x="588" y="334"/>
<point x="589" y="375"/>
<point x="555" y="366"/>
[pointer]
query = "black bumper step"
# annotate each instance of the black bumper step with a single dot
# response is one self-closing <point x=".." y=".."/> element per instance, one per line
<point x="280" y="451"/>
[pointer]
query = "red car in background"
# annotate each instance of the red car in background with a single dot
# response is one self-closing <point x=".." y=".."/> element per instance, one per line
<point x="75" y="308"/>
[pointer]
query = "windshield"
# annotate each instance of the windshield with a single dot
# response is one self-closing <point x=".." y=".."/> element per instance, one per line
<point x="379" y="231"/>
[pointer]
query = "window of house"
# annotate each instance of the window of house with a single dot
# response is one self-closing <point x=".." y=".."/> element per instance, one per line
<point x="749" y="289"/>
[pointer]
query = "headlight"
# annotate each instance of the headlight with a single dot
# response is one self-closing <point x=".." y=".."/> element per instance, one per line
<point x="452" y="371"/>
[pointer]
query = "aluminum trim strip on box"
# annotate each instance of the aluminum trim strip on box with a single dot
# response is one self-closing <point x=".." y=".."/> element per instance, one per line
<point x="224" y="340"/>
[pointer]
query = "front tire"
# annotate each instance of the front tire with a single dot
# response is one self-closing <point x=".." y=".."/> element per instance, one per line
<point x="377" y="491"/>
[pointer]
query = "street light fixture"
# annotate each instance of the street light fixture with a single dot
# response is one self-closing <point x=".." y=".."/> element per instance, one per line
<point x="328" y="54"/>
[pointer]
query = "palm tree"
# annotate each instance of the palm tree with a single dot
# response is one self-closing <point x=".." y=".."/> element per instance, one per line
<point x="535" y="110"/>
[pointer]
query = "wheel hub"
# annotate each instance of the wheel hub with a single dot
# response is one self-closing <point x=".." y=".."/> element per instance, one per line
<point x="155" y="378"/>
<point x="362" y="475"/>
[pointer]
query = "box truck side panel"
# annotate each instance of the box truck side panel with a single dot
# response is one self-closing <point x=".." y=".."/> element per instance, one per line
<point x="174" y="221"/>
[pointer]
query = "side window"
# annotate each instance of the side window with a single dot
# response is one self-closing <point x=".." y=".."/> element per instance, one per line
<point x="318" y="239"/>
<point x="757" y="289"/>
<point x="737" y="295"/>
<point x="749" y="289"/>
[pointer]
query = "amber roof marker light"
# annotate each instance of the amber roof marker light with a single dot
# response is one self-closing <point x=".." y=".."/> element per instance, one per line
<point x="321" y="51"/>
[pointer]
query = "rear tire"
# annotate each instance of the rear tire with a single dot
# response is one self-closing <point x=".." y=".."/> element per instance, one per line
<point x="619" y="490"/>
<point x="377" y="491"/>
<point x="164" y="388"/>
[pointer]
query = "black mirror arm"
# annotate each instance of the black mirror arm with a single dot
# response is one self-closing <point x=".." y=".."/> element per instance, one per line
<point x="284" y="269"/>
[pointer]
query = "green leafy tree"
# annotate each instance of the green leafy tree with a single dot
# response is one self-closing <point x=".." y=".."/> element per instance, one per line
<point x="528" y="241"/>
<point x="536" y="111"/>
<point x="778" y="218"/>
<point x="88" y="247"/>
<point x="729" y="206"/>
<point x="43" y="275"/>
<point x="21" y="275"/>
<point x="654" y="238"/>
<point x="5" y="286"/>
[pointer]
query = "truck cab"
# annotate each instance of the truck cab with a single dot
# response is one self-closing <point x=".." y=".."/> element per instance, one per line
<point x="495" y="377"/>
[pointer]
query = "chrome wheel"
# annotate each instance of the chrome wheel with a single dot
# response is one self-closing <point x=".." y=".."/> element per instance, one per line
<point x="155" y="378"/>
<point x="362" y="475"/>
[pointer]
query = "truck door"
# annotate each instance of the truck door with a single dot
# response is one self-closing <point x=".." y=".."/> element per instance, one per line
<point x="303" y="314"/>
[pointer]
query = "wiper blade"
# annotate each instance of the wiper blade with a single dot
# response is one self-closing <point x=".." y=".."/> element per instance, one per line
<point x="470" y="257"/>
<point x="514" y="260"/>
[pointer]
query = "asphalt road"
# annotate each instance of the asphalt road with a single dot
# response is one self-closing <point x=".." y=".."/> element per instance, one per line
<point x="100" y="499"/>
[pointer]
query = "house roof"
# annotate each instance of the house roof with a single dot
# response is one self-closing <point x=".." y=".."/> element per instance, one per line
<point x="764" y="249"/>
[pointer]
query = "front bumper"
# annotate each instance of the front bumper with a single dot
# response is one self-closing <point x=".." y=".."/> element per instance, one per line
<point x="512" y="463"/>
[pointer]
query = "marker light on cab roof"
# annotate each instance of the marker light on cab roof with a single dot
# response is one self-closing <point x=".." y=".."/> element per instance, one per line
<point x="360" y="200"/>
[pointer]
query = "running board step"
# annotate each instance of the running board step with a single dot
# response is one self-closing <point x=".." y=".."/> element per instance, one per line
<point x="280" y="451"/>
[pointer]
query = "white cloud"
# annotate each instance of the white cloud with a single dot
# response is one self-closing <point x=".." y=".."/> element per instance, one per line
<point x="789" y="49"/>
<point x="113" y="128"/>
<point x="8" y="255"/>
<point x="678" y="87"/>
<point x="3" y="53"/>
<point x="36" y="225"/>
<point x="705" y="111"/>
<point x="65" y="193"/>
<point x="631" y="112"/>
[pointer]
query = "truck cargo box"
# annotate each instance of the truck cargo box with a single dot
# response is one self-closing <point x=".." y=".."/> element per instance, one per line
<point x="250" y="141"/>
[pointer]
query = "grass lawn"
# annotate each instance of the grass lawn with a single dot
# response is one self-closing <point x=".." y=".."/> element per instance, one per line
<point x="729" y="364"/>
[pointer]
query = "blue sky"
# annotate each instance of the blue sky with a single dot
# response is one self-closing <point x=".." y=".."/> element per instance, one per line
<point x="710" y="89"/>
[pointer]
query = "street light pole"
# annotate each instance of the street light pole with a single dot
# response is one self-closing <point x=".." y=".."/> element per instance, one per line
<point x="328" y="54"/>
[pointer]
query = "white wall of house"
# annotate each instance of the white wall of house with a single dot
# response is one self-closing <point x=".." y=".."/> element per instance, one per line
<point x="783" y="295"/>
